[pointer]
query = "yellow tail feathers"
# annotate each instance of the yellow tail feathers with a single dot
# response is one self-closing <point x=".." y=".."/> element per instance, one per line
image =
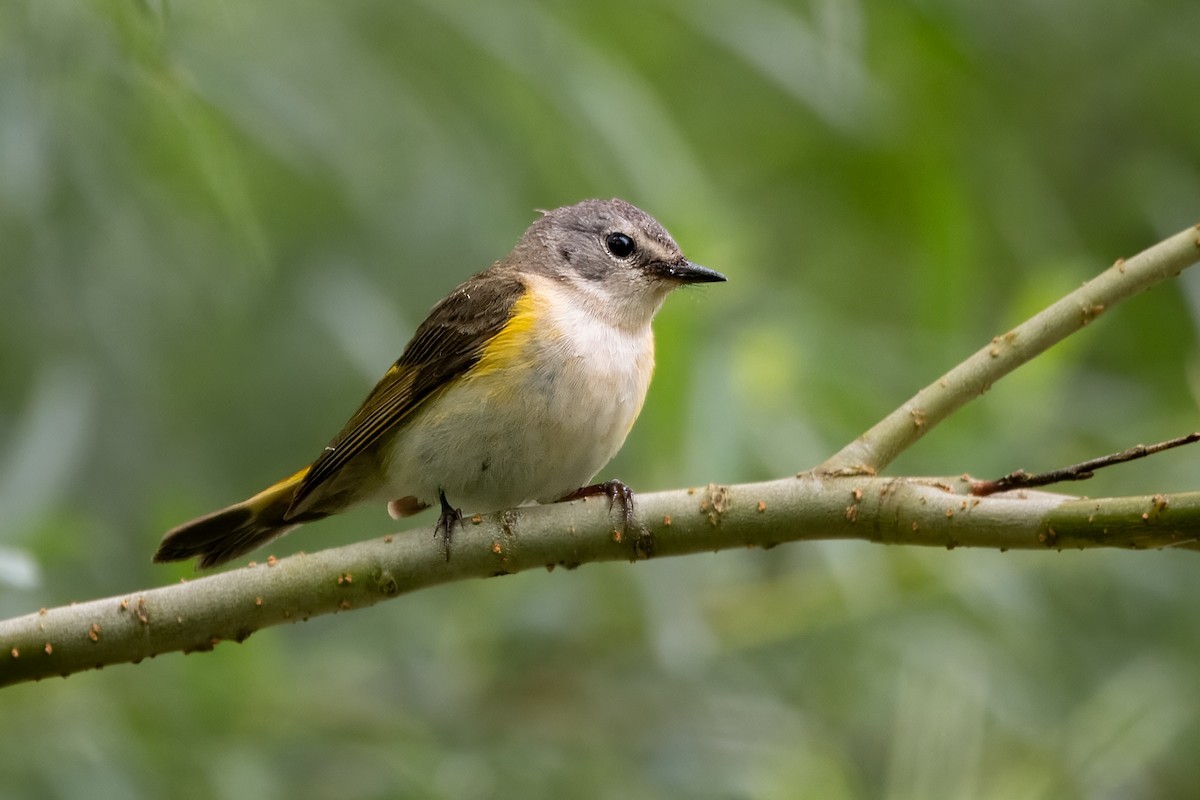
<point x="226" y="534"/>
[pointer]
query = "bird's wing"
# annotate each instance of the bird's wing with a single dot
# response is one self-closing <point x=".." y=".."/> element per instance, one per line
<point x="448" y="343"/>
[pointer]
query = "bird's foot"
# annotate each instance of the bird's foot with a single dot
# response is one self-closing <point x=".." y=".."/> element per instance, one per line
<point x="618" y="492"/>
<point x="447" y="519"/>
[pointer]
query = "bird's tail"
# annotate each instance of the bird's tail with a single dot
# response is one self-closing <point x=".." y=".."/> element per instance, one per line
<point x="238" y="529"/>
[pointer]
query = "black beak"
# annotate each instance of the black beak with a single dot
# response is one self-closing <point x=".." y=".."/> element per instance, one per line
<point x="687" y="272"/>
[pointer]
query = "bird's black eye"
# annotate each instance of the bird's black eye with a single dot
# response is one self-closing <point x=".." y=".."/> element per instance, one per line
<point x="620" y="245"/>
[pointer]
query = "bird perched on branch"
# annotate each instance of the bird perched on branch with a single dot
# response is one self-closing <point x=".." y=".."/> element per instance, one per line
<point x="520" y="385"/>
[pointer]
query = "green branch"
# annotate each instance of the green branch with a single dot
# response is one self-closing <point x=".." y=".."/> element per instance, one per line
<point x="895" y="433"/>
<point x="200" y="614"/>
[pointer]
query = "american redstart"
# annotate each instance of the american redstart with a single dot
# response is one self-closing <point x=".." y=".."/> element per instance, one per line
<point x="520" y="385"/>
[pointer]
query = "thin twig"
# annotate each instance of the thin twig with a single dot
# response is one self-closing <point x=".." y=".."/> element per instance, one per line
<point x="1076" y="472"/>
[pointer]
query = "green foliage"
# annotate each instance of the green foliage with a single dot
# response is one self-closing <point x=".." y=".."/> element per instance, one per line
<point x="220" y="222"/>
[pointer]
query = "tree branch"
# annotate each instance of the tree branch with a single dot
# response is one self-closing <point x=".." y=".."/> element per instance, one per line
<point x="842" y="499"/>
<point x="199" y="614"/>
<point x="871" y="452"/>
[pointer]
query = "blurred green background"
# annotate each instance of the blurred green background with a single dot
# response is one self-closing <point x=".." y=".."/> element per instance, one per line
<point x="220" y="222"/>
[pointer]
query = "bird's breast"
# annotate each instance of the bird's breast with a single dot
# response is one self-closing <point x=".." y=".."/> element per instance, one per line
<point x="549" y="403"/>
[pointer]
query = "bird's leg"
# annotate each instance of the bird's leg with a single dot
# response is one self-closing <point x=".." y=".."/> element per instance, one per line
<point x="616" y="491"/>
<point x="447" y="519"/>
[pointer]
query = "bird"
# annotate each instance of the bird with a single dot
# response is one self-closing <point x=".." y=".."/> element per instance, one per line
<point x="519" y="387"/>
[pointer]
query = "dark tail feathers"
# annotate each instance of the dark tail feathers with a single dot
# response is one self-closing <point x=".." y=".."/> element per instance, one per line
<point x="226" y="534"/>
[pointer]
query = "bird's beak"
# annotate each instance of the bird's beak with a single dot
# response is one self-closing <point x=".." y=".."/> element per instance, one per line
<point x="687" y="272"/>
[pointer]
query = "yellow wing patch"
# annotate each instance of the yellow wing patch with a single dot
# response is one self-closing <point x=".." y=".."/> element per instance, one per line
<point x="510" y="347"/>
